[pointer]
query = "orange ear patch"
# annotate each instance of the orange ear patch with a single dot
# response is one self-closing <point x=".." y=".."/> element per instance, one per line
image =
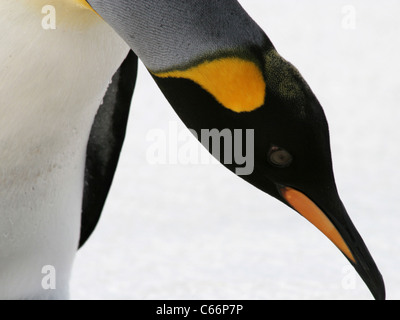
<point x="235" y="83"/>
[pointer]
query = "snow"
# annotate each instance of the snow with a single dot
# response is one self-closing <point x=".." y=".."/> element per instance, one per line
<point x="178" y="231"/>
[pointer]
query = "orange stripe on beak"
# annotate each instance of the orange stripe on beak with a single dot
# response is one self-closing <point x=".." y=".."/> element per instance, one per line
<point x="309" y="210"/>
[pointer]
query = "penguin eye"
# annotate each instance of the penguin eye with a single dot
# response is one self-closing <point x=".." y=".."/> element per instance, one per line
<point x="279" y="157"/>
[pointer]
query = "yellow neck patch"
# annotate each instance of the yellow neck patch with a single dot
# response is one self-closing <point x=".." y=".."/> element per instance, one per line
<point x="235" y="83"/>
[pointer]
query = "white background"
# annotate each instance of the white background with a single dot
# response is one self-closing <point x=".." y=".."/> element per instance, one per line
<point x="199" y="232"/>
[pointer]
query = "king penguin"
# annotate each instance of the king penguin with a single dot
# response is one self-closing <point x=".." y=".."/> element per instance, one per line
<point x="64" y="102"/>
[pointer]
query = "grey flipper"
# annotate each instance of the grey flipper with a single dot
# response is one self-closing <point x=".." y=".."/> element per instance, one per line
<point x="105" y="143"/>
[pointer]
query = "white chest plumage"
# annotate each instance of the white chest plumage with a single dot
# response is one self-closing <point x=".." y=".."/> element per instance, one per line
<point x="51" y="84"/>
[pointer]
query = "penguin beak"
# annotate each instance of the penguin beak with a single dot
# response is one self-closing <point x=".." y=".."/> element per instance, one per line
<point x="333" y="220"/>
